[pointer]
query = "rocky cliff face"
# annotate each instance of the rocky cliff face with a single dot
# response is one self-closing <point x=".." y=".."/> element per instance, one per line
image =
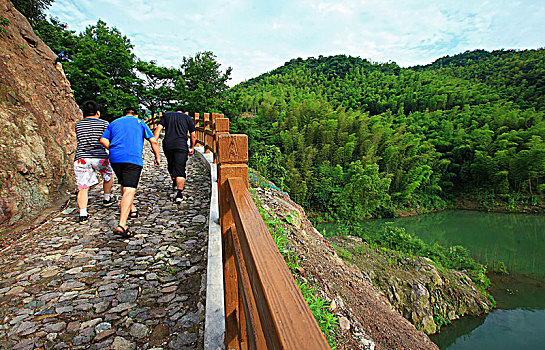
<point x="427" y="295"/>
<point x="37" y="117"/>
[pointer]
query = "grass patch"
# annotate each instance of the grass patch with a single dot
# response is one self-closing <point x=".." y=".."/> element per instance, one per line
<point x="4" y="22"/>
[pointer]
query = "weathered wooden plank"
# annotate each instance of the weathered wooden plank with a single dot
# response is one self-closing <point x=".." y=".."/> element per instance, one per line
<point x="286" y="318"/>
<point x="230" y="281"/>
<point x="222" y="125"/>
<point x="252" y="326"/>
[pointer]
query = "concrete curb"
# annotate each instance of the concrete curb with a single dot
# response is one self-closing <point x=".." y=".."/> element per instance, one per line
<point x="214" y="323"/>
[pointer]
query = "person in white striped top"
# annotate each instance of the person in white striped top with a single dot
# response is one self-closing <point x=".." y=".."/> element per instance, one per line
<point x="91" y="157"/>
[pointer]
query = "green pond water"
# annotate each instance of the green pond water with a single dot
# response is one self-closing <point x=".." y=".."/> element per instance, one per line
<point x="517" y="240"/>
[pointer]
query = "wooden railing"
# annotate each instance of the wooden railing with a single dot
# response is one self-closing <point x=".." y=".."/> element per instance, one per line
<point x="153" y="120"/>
<point x="264" y="308"/>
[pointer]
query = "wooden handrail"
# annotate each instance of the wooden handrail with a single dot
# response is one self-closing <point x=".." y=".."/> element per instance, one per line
<point x="207" y="133"/>
<point x="264" y="307"/>
<point x="286" y="320"/>
<point x="153" y="120"/>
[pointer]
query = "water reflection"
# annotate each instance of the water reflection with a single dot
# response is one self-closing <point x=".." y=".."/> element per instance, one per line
<point x="501" y="330"/>
<point x="517" y="240"/>
<point x="517" y="291"/>
<point x="456" y="330"/>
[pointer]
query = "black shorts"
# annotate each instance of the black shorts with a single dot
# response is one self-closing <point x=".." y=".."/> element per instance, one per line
<point x="127" y="174"/>
<point x="176" y="161"/>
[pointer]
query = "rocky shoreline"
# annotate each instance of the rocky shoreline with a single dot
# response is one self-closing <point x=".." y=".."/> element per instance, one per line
<point x="426" y="294"/>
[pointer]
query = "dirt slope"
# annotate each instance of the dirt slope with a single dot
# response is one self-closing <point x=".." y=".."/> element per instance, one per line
<point x="366" y="315"/>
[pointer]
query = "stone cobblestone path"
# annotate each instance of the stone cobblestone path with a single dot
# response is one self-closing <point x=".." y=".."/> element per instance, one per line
<point x="70" y="286"/>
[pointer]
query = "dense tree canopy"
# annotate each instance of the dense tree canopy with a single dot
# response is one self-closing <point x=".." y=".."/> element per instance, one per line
<point x="472" y="122"/>
<point x="102" y="69"/>
<point x="203" y="83"/>
<point x="157" y="89"/>
<point x="33" y="10"/>
<point x="100" y="65"/>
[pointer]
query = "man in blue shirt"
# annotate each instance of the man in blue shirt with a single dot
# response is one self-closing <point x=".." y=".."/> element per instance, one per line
<point x="124" y="137"/>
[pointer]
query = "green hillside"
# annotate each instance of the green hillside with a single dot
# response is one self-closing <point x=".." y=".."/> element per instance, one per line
<point x="352" y="139"/>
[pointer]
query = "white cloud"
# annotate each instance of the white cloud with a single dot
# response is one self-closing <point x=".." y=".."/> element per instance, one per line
<point x="255" y="36"/>
<point x="340" y="8"/>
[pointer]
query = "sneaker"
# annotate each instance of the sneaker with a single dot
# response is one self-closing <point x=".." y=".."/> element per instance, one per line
<point x="83" y="219"/>
<point x="179" y="198"/>
<point x="108" y="203"/>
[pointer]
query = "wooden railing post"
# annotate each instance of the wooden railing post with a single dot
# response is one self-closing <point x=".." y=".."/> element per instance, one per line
<point x="196" y="121"/>
<point x="232" y="158"/>
<point x="153" y="122"/>
<point x="222" y="128"/>
<point x="213" y="132"/>
<point x="195" y="116"/>
<point x="206" y="137"/>
<point x="214" y="143"/>
<point x="158" y="118"/>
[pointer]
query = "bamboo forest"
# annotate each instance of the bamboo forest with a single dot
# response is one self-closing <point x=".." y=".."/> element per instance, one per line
<point x="352" y="139"/>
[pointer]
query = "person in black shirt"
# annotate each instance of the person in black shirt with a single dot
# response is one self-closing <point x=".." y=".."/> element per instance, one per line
<point x="177" y="125"/>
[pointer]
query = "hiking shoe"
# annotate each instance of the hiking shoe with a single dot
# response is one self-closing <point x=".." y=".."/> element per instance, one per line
<point x="179" y="197"/>
<point x="108" y="203"/>
<point x="82" y="219"/>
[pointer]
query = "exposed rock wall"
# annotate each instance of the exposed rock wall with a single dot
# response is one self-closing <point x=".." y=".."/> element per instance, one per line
<point x="37" y="117"/>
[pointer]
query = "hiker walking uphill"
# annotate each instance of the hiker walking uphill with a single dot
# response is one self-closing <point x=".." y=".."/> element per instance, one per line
<point x="124" y="137"/>
<point x="177" y="125"/>
<point x="91" y="157"/>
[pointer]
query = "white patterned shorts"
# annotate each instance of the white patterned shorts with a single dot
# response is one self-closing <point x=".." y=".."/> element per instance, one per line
<point x="86" y="168"/>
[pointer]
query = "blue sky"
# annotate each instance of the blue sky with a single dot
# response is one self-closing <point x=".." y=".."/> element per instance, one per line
<point x="254" y="37"/>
